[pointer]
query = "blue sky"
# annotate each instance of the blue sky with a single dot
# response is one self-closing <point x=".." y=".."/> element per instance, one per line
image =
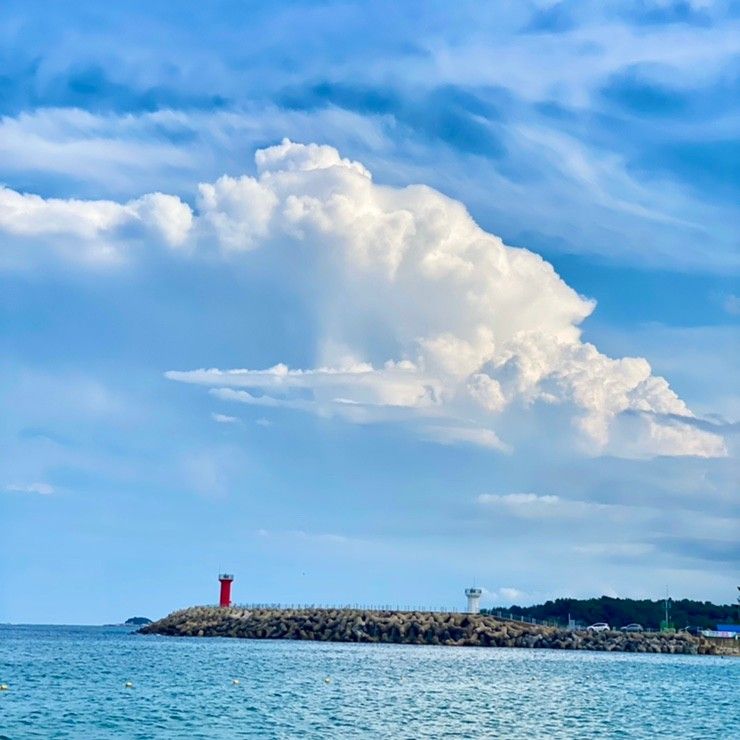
<point x="276" y="297"/>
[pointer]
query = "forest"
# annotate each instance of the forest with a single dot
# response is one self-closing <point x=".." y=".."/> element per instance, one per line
<point x="682" y="613"/>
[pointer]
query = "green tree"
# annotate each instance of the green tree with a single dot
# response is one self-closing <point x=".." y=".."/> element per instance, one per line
<point x="619" y="612"/>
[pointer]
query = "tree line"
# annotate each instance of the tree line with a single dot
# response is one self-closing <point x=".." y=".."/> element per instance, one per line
<point x="619" y="612"/>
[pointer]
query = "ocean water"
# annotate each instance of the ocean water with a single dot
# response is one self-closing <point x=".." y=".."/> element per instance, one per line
<point x="69" y="682"/>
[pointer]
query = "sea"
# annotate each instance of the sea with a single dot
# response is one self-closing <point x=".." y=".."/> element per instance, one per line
<point x="105" y="682"/>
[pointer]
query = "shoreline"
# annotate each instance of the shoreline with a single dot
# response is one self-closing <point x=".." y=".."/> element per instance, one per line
<point x="414" y="628"/>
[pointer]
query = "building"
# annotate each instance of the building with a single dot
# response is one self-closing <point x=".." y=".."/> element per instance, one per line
<point x="473" y="595"/>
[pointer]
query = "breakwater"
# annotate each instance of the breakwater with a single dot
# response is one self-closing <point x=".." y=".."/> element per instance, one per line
<point x="412" y="628"/>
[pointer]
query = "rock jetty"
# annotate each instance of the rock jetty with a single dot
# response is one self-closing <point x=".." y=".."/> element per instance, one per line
<point x="410" y="628"/>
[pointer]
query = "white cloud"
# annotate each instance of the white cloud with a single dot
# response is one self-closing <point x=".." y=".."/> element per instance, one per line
<point x="44" y="489"/>
<point x="547" y="507"/>
<point x="453" y="435"/>
<point x="238" y="210"/>
<point x="338" y="388"/>
<point x="312" y="538"/>
<point x="579" y="199"/>
<point x="505" y="596"/>
<point x="93" y="230"/>
<point x="470" y="328"/>
<point x="517" y="499"/>
<point x="320" y="537"/>
<point x="619" y="549"/>
<point x="477" y="326"/>
<point x="551" y="508"/>
<point x="512" y="594"/>
<point x="644" y="435"/>
<point x="224" y="418"/>
<point x="292" y="157"/>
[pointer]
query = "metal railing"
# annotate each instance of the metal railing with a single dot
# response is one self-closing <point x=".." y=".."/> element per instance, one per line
<point x="400" y="608"/>
<point x="523" y="618"/>
<point x="354" y="607"/>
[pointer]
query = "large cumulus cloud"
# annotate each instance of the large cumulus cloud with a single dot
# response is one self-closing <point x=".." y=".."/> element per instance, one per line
<point x="422" y="316"/>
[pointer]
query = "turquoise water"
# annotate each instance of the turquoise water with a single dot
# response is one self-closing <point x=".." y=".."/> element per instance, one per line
<point x="69" y="682"/>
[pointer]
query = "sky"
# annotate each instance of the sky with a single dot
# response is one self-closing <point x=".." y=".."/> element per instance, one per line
<point x="367" y="305"/>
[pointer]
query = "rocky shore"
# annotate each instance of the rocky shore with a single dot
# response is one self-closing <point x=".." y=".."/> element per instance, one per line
<point x="411" y="628"/>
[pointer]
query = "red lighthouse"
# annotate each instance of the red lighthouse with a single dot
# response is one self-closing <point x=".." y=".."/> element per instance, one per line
<point x="225" y="597"/>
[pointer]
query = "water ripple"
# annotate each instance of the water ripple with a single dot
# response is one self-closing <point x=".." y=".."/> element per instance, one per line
<point x="70" y="683"/>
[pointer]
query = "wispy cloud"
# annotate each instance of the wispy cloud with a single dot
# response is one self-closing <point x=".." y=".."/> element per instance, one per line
<point x="224" y="418"/>
<point x="44" y="489"/>
<point x="471" y="435"/>
<point x="316" y="538"/>
<point x="620" y="549"/>
<point x="517" y="499"/>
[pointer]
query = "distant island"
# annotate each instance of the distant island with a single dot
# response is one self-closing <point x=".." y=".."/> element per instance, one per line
<point x="137" y="621"/>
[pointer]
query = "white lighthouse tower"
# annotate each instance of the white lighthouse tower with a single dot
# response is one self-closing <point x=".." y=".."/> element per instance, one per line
<point x="473" y="595"/>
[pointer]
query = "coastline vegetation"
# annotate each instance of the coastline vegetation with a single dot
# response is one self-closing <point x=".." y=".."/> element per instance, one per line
<point x="618" y="612"/>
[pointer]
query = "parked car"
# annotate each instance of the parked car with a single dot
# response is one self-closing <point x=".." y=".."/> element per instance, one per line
<point x="632" y="627"/>
<point x="598" y="627"/>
